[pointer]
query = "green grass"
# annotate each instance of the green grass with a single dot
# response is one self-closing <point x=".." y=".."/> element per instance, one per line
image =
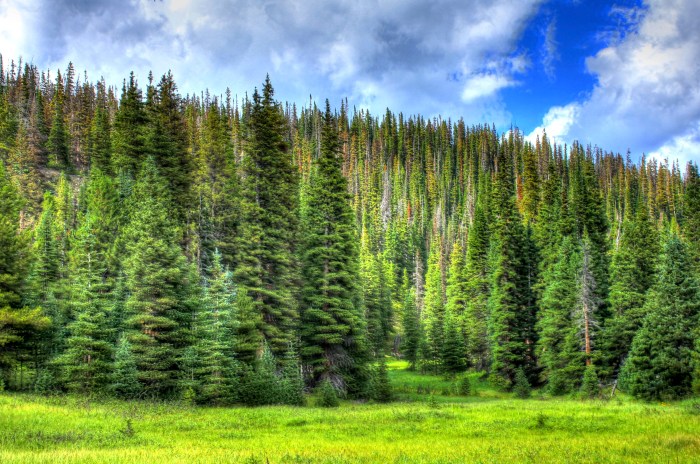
<point x="488" y="427"/>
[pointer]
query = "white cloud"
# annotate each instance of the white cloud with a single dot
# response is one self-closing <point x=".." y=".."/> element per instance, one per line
<point x="550" y="52"/>
<point x="484" y="86"/>
<point x="557" y="123"/>
<point x="409" y="55"/>
<point x="647" y="95"/>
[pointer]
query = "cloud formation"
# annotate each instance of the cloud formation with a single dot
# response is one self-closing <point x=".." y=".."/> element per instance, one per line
<point x="447" y="56"/>
<point x="647" y="95"/>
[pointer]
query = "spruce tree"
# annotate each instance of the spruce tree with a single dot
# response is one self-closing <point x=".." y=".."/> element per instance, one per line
<point x="268" y="232"/>
<point x="511" y="315"/>
<point x="248" y="338"/>
<point x="632" y="273"/>
<point x="157" y="279"/>
<point x="214" y="334"/>
<point x="477" y="290"/>
<point x="457" y="299"/>
<point x="331" y="323"/>
<point x="125" y="382"/>
<point x="58" y="144"/>
<point x="128" y="131"/>
<point x="411" y="329"/>
<point x="660" y="362"/>
<point x="20" y="327"/>
<point x="433" y="316"/>
<point x="555" y="323"/>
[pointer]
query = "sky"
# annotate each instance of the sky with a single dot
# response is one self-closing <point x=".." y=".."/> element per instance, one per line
<point x="623" y="75"/>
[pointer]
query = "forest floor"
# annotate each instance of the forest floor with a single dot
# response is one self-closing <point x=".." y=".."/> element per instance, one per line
<point x="428" y="423"/>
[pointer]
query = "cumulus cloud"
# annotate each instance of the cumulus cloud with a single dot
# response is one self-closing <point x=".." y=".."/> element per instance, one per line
<point x="647" y="95"/>
<point x="413" y="56"/>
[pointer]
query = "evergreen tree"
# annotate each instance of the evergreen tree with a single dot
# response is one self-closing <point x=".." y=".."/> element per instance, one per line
<point x="214" y="329"/>
<point x="511" y="316"/>
<point x="589" y="385"/>
<point x="433" y="316"/>
<point x="157" y="279"/>
<point x="268" y="221"/>
<point x="411" y="329"/>
<point x="248" y="339"/>
<point x="557" y="336"/>
<point x="19" y="326"/>
<point x="128" y="134"/>
<point x="457" y="291"/>
<point x="58" y="143"/>
<point x="477" y="291"/>
<point x="125" y="382"/>
<point x="331" y="322"/>
<point x="632" y="273"/>
<point x="659" y="365"/>
<point x="691" y="213"/>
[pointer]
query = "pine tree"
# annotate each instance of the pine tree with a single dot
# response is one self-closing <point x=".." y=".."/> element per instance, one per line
<point x="268" y="232"/>
<point x="157" y="279"/>
<point x="331" y="322"/>
<point x="557" y="335"/>
<point x="477" y="291"/>
<point x="125" y="383"/>
<point x="632" y="273"/>
<point x="691" y="213"/>
<point x="128" y="131"/>
<point x="20" y="327"/>
<point x="248" y="339"/>
<point x="58" y="143"/>
<point x="589" y="385"/>
<point x="411" y="329"/>
<point x="659" y="365"/>
<point x="433" y="316"/>
<point x="214" y="330"/>
<point x="457" y="291"/>
<point x="511" y="316"/>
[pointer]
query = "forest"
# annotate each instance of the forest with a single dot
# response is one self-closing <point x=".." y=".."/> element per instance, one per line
<point x="226" y="250"/>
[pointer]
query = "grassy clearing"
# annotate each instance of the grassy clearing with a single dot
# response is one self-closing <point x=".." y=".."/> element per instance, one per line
<point x="486" y="427"/>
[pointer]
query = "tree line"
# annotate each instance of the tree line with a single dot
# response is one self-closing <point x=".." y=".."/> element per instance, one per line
<point x="226" y="251"/>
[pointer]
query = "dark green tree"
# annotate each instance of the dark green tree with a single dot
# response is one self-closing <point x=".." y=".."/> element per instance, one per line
<point x="125" y="382"/>
<point x="331" y="322"/>
<point x="214" y="334"/>
<point x="659" y="365"/>
<point x="158" y="282"/>
<point x="511" y="314"/>
<point x="268" y="235"/>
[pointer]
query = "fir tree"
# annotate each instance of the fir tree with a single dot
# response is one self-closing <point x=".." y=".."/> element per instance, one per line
<point x="248" y="339"/>
<point x="433" y="316"/>
<point x="632" y="273"/>
<point x="214" y="330"/>
<point x="659" y="365"/>
<point x="511" y="316"/>
<point x="58" y="144"/>
<point x="331" y="323"/>
<point x="411" y="329"/>
<point x="269" y="223"/>
<point x="157" y="280"/>
<point x="477" y="291"/>
<point x="125" y="382"/>
<point x="128" y="133"/>
<point x="457" y="291"/>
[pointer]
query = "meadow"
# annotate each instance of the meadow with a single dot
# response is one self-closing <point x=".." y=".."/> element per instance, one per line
<point x="429" y="423"/>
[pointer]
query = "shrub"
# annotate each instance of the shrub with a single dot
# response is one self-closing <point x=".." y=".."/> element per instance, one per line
<point x="589" y="386"/>
<point x="521" y="388"/>
<point x="465" y="386"/>
<point x="328" y="397"/>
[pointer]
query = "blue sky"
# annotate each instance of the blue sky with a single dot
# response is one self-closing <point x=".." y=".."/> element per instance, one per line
<point x="622" y="75"/>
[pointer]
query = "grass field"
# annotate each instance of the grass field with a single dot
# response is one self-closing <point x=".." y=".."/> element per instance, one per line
<point x="429" y="423"/>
